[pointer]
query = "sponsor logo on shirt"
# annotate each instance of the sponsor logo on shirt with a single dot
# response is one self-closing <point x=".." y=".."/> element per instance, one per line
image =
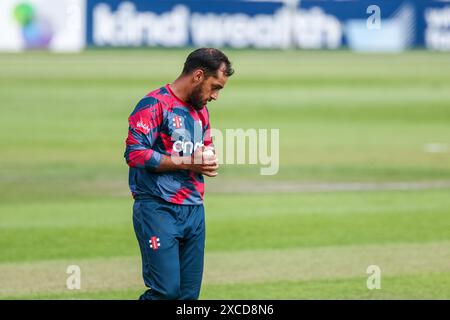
<point x="142" y="125"/>
<point x="177" y="122"/>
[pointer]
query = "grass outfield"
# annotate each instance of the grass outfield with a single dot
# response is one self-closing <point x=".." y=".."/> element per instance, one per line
<point x="342" y="118"/>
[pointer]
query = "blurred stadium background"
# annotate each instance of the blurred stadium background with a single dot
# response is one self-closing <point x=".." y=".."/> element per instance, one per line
<point x="360" y="91"/>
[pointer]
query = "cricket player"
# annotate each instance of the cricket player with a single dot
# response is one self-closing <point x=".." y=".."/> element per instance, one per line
<point x="168" y="151"/>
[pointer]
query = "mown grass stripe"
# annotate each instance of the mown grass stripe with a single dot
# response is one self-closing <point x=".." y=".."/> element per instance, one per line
<point x="252" y="266"/>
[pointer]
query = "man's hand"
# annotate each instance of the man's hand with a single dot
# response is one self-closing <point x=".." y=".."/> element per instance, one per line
<point x="204" y="162"/>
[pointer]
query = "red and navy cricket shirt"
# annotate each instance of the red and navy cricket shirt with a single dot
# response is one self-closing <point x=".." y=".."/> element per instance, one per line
<point x="161" y="124"/>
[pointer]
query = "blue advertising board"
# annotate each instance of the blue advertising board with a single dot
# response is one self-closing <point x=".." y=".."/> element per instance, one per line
<point x="366" y="25"/>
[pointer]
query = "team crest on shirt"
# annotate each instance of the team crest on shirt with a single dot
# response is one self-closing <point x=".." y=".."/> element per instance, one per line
<point x="154" y="243"/>
<point x="177" y="123"/>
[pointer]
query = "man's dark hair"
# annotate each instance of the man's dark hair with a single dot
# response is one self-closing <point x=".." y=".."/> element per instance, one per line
<point x="209" y="60"/>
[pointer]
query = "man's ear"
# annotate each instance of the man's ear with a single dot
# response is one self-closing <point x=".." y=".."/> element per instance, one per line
<point x="198" y="76"/>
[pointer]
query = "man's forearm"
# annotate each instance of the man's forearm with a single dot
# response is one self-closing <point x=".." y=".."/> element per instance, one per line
<point x="203" y="166"/>
<point x="168" y="164"/>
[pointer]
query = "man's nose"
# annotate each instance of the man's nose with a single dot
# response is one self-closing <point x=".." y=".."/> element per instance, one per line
<point x="214" y="96"/>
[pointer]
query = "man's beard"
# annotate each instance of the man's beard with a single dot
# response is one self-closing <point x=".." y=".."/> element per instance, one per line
<point x="195" y="98"/>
